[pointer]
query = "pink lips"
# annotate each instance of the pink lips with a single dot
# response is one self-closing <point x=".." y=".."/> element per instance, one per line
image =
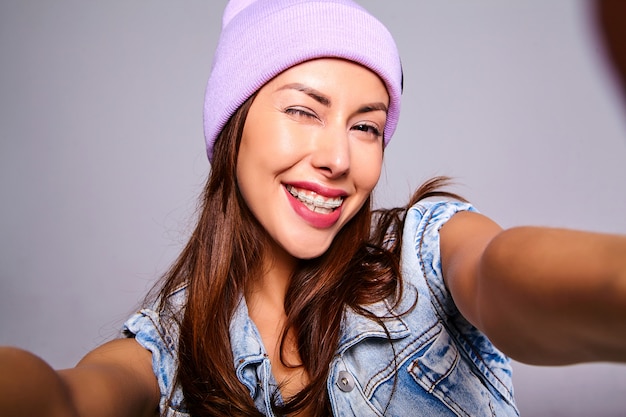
<point x="317" y="220"/>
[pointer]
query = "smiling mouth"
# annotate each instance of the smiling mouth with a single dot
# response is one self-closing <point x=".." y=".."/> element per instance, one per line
<point x="314" y="201"/>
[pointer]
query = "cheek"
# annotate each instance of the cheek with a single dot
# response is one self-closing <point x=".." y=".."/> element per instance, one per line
<point x="368" y="169"/>
<point x="273" y="143"/>
<point x="242" y="181"/>
<point x="248" y="168"/>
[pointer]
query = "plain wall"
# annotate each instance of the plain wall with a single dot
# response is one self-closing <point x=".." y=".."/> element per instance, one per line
<point x="102" y="154"/>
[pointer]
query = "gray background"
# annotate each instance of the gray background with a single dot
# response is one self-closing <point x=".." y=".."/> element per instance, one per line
<point x="101" y="152"/>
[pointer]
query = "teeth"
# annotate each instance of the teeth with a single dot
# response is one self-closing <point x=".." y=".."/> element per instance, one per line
<point x="315" y="202"/>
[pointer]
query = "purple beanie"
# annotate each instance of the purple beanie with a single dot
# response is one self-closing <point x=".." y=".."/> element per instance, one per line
<point x="262" y="38"/>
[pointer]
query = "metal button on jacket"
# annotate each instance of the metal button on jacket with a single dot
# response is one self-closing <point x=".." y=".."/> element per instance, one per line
<point x="345" y="382"/>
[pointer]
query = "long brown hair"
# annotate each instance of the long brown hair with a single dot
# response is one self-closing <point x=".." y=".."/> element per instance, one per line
<point x="224" y="253"/>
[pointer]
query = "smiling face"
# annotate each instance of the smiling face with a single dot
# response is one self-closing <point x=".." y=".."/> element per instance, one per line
<point x="311" y="152"/>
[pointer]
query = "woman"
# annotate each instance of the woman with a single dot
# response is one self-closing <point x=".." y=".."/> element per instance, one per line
<point x="287" y="300"/>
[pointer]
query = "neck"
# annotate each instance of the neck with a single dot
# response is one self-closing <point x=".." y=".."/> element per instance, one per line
<point x="266" y="307"/>
<point x="267" y="292"/>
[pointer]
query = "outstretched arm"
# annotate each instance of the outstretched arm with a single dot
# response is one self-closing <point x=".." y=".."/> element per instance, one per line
<point x="115" y="379"/>
<point x="543" y="296"/>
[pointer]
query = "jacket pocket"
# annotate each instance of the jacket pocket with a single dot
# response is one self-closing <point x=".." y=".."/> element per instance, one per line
<point x="444" y="373"/>
<point x="171" y="412"/>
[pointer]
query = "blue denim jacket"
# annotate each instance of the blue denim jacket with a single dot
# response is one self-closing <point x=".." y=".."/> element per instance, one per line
<point x="435" y="363"/>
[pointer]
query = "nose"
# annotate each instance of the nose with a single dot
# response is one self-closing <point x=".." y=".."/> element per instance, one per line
<point x="331" y="153"/>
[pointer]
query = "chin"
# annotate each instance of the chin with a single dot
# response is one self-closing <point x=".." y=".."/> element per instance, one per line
<point x="303" y="251"/>
<point x="308" y="254"/>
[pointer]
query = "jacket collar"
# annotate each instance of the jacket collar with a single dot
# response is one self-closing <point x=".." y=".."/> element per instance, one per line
<point x="356" y="327"/>
<point x="247" y="346"/>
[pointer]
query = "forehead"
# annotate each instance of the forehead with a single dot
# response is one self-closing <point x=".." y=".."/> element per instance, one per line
<point x="332" y="75"/>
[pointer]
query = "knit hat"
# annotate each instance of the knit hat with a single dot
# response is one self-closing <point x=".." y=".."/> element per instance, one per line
<point x="262" y="38"/>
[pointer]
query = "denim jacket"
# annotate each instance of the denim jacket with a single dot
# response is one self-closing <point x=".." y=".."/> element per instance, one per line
<point x="430" y="362"/>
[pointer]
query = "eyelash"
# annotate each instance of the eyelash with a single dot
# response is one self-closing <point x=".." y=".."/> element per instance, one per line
<point x="363" y="127"/>
<point x="296" y="111"/>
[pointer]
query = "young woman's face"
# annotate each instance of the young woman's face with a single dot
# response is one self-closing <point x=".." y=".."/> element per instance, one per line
<point x="312" y="151"/>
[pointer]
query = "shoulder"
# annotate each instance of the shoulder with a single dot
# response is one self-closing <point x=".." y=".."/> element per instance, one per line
<point x="421" y="261"/>
<point x="444" y="240"/>
<point x="432" y="215"/>
<point x="156" y="329"/>
<point x="421" y="236"/>
<point x="156" y="325"/>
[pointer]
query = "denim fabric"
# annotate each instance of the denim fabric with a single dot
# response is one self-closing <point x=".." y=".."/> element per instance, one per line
<point x="429" y="362"/>
<point x="158" y="334"/>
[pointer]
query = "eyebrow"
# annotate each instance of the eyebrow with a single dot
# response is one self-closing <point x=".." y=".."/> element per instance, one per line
<point x="373" y="107"/>
<point x="311" y="92"/>
<point x="325" y="100"/>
